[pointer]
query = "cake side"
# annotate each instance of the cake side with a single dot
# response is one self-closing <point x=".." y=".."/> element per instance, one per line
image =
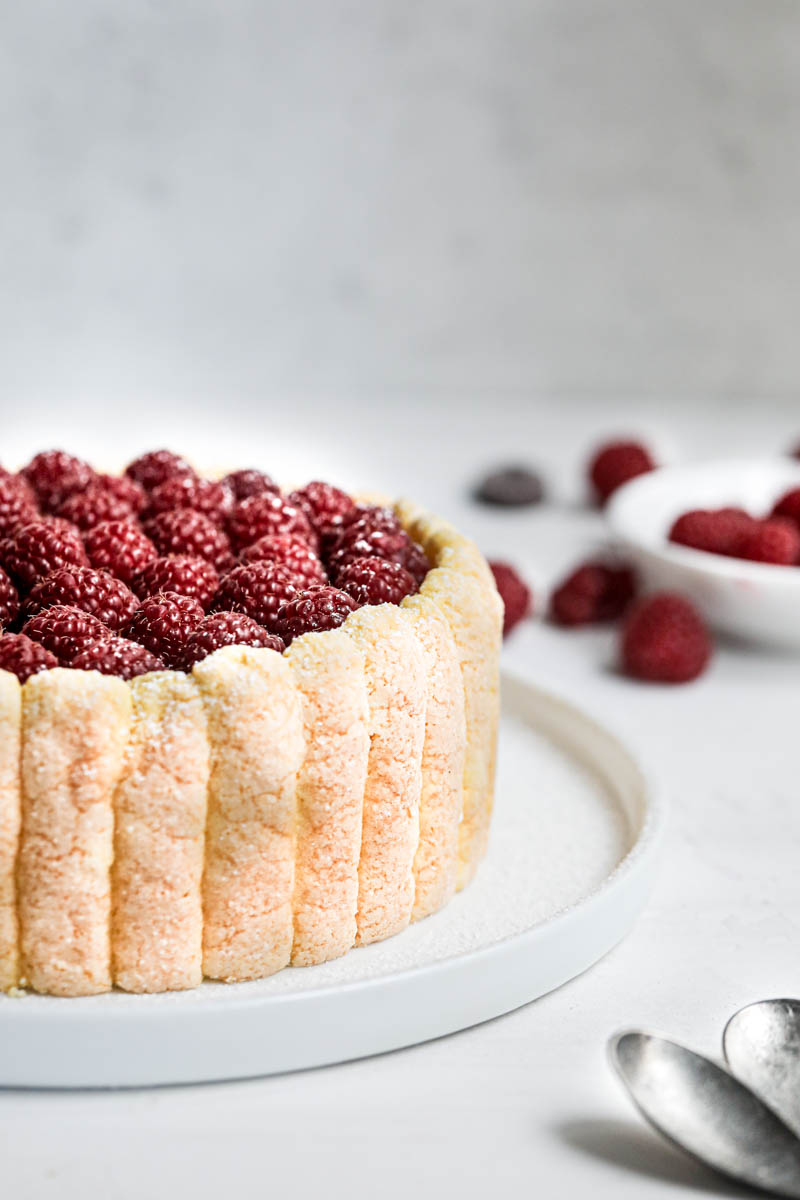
<point x="10" y="821"/>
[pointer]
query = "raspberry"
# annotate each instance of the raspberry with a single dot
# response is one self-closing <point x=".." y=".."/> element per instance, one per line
<point x="515" y="594"/>
<point x="665" y="640"/>
<point x="416" y="562"/>
<point x="119" y="547"/>
<point x="93" y="506"/>
<point x="226" y="629"/>
<point x="54" y="474"/>
<point x="9" y="601"/>
<point x="718" y="531"/>
<point x="788" y="506"/>
<point x="207" y="496"/>
<point x="325" y="506"/>
<point x="177" y="573"/>
<point x="117" y="656"/>
<point x="776" y="540"/>
<point x="164" y="623"/>
<point x="94" y="592"/>
<point x="257" y="589"/>
<point x="315" y="610"/>
<point x="377" y="534"/>
<point x="125" y="489"/>
<point x="593" y="592"/>
<point x="15" y="507"/>
<point x="370" y="517"/>
<point x="250" y="483"/>
<point x="376" y="581"/>
<point x="616" y="463"/>
<point x="259" y="515"/>
<point x="20" y="484"/>
<point x="153" y="468"/>
<point x="510" y="487"/>
<point x="65" y="630"/>
<point x="186" y="531"/>
<point x="39" y="548"/>
<point x="290" y="552"/>
<point x="23" y="657"/>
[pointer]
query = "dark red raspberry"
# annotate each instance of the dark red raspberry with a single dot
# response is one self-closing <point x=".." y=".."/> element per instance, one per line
<point x="153" y="468"/>
<point x="259" y="515"/>
<point x="416" y="562"/>
<point x="290" y="552"/>
<point x="664" y="639"/>
<point x="119" y="547"/>
<point x="16" y="509"/>
<point x="117" y="656"/>
<point x="593" y="592"/>
<point x="325" y="506"/>
<point x="93" y="506"/>
<point x="369" y="517"/>
<point x="185" y="531"/>
<point x="313" y="611"/>
<point x="717" y="531"/>
<point x="54" y="475"/>
<point x="23" y="657"/>
<point x="65" y="631"/>
<point x="257" y="589"/>
<point x="9" y="601"/>
<point x="515" y="594"/>
<point x="376" y="581"/>
<point x="125" y="489"/>
<point x="39" y="548"/>
<point x="776" y="540"/>
<point x="250" y="483"/>
<point x="21" y="485"/>
<point x="177" y="573"/>
<point x="788" y="506"/>
<point x="164" y="623"/>
<point x="377" y="534"/>
<point x="95" y="592"/>
<point x="226" y="629"/>
<point x="616" y="463"/>
<point x="207" y="496"/>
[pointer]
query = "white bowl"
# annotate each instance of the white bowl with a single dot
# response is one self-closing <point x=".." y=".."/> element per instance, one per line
<point x="756" y="601"/>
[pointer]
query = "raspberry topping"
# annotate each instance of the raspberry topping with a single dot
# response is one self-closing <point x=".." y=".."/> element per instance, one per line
<point x="65" y="630"/>
<point x="164" y="624"/>
<point x="9" y="601"/>
<point x="39" y="548"/>
<point x="54" y="475"/>
<point x="416" y="562"/>
<point x="376" y="534"/>
<point x="265" y="513"/>
<point x="515" y="594"/>
<point x="250" y="483"/>
<point x="788" y="506"/>
<point x="20" y="485"/>
<point x="291" y="552"/>
<point x="258" y="589"/>
<point x="510" y="487"/>
<point x="117" y="656"/>
<point x="94" y="505"/>
<point x="207" y="496"/>
<point x="186" y="531"/>
<point x="119" y="547"/>
<point x="593" y="592"/>
<point x="312" y="611"/>
<point x="226" y="629"/>
<point x="325" y="506"/>
<point x="718" y="531"/>
<point x="153" y="468"/>
<point x="177" y="573"/>
<point x="776" y="540"/>
<point x="376" y="581"/>
<point x="665" y="640"/>
<point x="23" y="657"/>
<point x="92" y="591"/>
<point x="125" y="489"/>
<point x="616" y="463"/>
<point x="16" y="509"/>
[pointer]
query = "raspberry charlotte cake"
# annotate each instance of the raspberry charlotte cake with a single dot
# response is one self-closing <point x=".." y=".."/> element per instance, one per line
<point x="238" y="729"/>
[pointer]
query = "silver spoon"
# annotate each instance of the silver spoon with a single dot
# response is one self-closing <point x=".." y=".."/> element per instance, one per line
<point x="705" y="1111"/>
<point x="762" y="1046"/>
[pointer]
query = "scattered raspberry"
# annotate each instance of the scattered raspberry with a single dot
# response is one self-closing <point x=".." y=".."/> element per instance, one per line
<point x="117" y="656"/>
<point x="23" y="657"/>
<point x="155" y="467"/>
<point x="226" y="629"/>
<point x="515" y="594"/>
<point x="665" y="640"/>
<point x="208" y="496"/>
<point x="616" y="463"/>
<point x="163" y="624"/>
<point x="510" y="487"/>
<point x="717" y="531"/>
<point x="788" y="506"/>
<point x="257" y="589"/>
<point x="93" y="506"/>
<point x="9" y="601"/>
<point x="119" y="547"/>
<point x="177" y="573"/>
<point x="288" y="551"/>
<point x="593" y="592"/>
<point x="92" y="591"/>
<point x="16" y="509"/>
<point x="776" y="540"/>
<point x="250" y="483"/>
<point x="376" y="581"/>
<point x="315" y="610"/>
<point x="65" y="631"/>
<point x="325" y="506"/>
<point x="186" y="531"/>
<point x="265" y="513"/>
<point x="39" y="548"/>
<point x="54" y="475"/>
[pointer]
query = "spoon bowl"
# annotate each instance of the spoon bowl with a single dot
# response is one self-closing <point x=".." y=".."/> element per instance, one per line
<point x="761" y="1044"/>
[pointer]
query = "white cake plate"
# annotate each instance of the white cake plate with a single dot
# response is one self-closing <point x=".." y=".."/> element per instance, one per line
<point x="574" y="840"/>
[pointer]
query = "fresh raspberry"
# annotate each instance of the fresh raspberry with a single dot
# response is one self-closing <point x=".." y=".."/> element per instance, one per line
<point x="416" y="562"/>
<point x="312" y="611"/>
<point x="65" y="630"/>
<point x="250" y="483"/>
<point x="226" y="629"/>
<point x="788" y="506"/>
<point x="377" y="534"/>
<point x="616" y="463"/>
<point x="259" y="515"/>
<point x="117" y="656"/>
<point x="164" y="623"/>
<point x="717" y="531"/>
<point x="177" y="573"/>
<point x="54" y="475"/>
<point x="515" y="594"/>
<point x="16" y="509"/>
<point x="325" y="506"/>
<point x="376" y="581"/>
<point x="9" y="601"/>
<point x="664" y="639"/>
<point x="186" y="531"/>
<point x="290" y="552"/>
<point x="20" y="484"/>
<point x="257" y="589"/>
<point x="776" y="540"/>
<point x="94" y="592"/>
<point x="93" y="506"/>
<point x="208" y="496"/>
<point x="23" y="657"/>
<point x="125" y="489"/>
<point x="153" y="468"/>
<point x="119" y="547"/>
<point x="39" y="548"/>
<point x="593" y="592"/>
<point x="370" y="517"/>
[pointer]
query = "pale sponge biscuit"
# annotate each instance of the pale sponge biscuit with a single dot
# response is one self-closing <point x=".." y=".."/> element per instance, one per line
<point x="255" y="727"/>
<point x="442" y="542"/>
<point x="329" y="671"/>
<point x="159" y="834"/>
<point x="75" y="728"/>
<point x="396" y="688"/>
<point x="10" y="708"/>
<point x="436" y="860"/>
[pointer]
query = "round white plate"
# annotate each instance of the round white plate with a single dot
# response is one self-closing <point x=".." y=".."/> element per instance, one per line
<point x="572" y="856"/>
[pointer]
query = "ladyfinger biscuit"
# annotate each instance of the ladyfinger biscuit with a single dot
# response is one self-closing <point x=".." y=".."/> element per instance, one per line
<point x="442" y="542"/>
<point x="329" y="671"/>
<point x="10" y="707"/>
<point x="159" y="833"/>
<point x="396" y="690"/>
<point x="74" y="732"/>
<point x="255" y="728"/>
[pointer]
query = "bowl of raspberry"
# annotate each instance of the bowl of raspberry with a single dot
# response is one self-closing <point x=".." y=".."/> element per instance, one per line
<point x="727" y="535"/>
